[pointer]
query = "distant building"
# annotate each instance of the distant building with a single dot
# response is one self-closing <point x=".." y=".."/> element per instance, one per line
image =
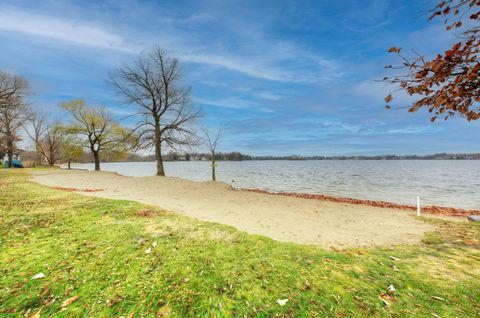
<point x="4" y="157"/>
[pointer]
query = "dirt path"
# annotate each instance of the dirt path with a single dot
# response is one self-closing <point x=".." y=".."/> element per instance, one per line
<point x="328" y="224"/>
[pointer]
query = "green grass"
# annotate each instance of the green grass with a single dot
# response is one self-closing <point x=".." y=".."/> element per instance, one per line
<point x="95" y="249"/>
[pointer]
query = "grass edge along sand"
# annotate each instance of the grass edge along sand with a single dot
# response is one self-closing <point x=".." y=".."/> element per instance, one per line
<point x="102" y="257"/>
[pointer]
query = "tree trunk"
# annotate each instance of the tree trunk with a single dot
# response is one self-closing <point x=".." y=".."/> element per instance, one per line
<point x="214" y="177"/>
<point x="51" y="161"/>
<point x="96" y="156"/>
<point x="158" y="149"/>
<point x="69" y="165"/>
<point x="10" y="152"/>
<point x="38" y="158"/>
<point x="10" y="159"/>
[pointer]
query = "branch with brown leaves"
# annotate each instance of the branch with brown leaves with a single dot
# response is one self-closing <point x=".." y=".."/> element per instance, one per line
<point x="449" y="84"/>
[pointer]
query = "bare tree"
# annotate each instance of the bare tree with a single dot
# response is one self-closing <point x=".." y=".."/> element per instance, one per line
<point x="100" y="132"/>
<point x="12" y="85"/>
<point x="36" y="131"/>
<point x="212" y="141"/>
<point x="153" y="84"/>
<point x="50" y="144"/>
<point x="13" y="111"/>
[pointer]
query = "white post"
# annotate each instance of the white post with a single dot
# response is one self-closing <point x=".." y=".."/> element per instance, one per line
<point x="418" y="205"/>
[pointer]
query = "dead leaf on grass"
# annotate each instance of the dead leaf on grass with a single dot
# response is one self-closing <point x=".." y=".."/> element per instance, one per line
<point x="69" y="301"/>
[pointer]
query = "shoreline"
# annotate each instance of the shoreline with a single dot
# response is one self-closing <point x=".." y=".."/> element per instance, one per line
<point x="282" y="218"/>
<point x="431" y="209"/>
<point x="428" y="209"/>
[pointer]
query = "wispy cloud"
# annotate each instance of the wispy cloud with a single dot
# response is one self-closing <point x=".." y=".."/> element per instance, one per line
<point x="232" y="102"/>
<point x="301" y="67"/>
<point x="274" y="61"/>
<point x="61" y="29"/>
<point x="238" y="65"/>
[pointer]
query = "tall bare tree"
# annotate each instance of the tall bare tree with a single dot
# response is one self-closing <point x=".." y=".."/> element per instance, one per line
<point x="12" y="85"/>
<point x="36" y="131"/>
<point x="51" y="142"/>
<point x="213" y="140"/>
<point x="165" y="114"/>
<point x="99" y="131"/>
<point x="13" y="111"/>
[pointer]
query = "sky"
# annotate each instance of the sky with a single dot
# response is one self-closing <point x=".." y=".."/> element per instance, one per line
<point x="288" y="77"/>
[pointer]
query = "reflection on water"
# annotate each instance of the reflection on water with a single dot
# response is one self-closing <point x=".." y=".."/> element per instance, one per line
<point x="440" y="182"/>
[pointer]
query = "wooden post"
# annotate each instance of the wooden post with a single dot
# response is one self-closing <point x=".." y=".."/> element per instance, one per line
<point x="418" y="205"/>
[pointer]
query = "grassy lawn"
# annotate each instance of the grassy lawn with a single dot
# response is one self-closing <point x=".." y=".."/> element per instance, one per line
<point x="107" y="258"/>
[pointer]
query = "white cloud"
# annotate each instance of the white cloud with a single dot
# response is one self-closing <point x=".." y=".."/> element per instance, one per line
<point x="238" y="65"/>
<point x="61" y="29"/>
<point x="230" y="102"/>
<point x="234" y="103"/>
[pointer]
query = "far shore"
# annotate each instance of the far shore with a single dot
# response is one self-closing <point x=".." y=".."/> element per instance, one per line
<point x="290" y="218"/>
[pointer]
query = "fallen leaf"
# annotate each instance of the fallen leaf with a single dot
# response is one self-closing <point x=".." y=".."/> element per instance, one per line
<point x="394" y="258"/>
<point x="391" y="288"/>
<point x="282" y="302"/>
<point x="69" y="301"/>
<point x="36" y="315"/>
<point x="438" y="298"/>
<point x="39" y="275"/>
<point x="148" y="250"/>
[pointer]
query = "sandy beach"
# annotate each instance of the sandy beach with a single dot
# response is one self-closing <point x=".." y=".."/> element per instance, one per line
<point x="328" y="224"/>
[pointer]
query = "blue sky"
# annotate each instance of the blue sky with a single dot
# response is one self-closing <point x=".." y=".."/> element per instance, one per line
<point x="290" y="77"/>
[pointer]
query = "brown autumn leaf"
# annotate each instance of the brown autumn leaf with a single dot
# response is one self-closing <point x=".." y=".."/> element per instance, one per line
<point x="394" y="49"/>
<point x="388" y="99"/>
<point x="69" y="301"/>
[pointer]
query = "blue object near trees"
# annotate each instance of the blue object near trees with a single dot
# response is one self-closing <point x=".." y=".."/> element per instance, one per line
<point x="474" y="218"/>
<point x="16" y="164"/>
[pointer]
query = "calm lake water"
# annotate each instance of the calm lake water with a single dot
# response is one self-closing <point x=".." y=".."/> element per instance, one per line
<point x="453" y="183"/>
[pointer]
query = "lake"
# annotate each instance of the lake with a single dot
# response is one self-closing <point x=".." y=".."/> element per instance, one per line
<point x="451" y="183"/>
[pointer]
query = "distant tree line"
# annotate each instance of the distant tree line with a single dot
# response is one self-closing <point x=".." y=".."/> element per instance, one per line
<point x="237" y="156"/>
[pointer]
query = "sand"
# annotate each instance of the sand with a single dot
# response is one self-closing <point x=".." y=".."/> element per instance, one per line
<point x="328" y="224"/>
